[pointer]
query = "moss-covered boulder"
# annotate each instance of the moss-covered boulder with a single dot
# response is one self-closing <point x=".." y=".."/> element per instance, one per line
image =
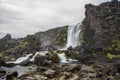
<point x="54" y="57"/>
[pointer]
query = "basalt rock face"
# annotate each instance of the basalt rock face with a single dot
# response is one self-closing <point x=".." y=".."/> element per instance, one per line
<point x="101" y="27"/>
<point x="52" y="38"/>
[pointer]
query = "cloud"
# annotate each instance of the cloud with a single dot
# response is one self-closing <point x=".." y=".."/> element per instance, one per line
<point x="22" y="17"/>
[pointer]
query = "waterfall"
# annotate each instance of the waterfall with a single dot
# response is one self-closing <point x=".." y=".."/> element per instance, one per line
<point x="72" y="40"/>
<point x="63" y="58"/>
<point x="73" y="35"/>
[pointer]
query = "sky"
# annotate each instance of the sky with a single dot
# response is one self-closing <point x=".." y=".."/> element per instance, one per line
<point x="22" y="17"/>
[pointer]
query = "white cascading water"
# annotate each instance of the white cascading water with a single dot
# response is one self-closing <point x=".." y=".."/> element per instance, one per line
<point x="73" y="35"/>
<point x="63" y="58"/>
<point x="72" y="40"/>
<point x="21" y="59"/>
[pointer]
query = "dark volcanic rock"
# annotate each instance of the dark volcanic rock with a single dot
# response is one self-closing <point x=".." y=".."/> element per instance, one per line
<point x="2" y="72"/>
<point x="11" y="75"/>
<point x="72" y="54"/>
<point x="52" y="39"/>
<point x="101" y="28"/>
<point x="49" y="73"/>
<point x="2" y="63"/>
<point x="41" y="59"/>
<point x="56" y="38"/>
<point x="48" y="47"/>
<point x="70" y="48"/>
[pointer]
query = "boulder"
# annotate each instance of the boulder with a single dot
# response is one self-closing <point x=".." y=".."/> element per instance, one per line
<point x="2" y="72"/>
<point x="2" y="62"/>
<point x="11" y="75"/>
<point x="63" y="77"/>
<point x="49" y="73"/>
<point x="25" y="63"/>
<point x="73" y="67"/>
<point x="55" y="58"/>
<point x="74" y="77"/>
<point x="70" y="48"/>
<point x="41" y="59"/>
<point x="42" y="69"/>
<point x="85" y="68"/>
<point x="72" y="54"/>
<point x="40" y="77"/>
<point x="10" y="64"/>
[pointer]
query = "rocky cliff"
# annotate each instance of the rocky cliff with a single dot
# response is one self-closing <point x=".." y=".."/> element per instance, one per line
<point x="101" y="27"/>
<point x="49" y="40"/>
<point x="56" y="38"/>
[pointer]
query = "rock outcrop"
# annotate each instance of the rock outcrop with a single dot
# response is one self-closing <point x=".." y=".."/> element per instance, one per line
<point x="101" y="27"/>
<point x="52" y="39"/>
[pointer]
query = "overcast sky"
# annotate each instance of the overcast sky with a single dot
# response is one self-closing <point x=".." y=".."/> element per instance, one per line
<point x="22" y="17"/>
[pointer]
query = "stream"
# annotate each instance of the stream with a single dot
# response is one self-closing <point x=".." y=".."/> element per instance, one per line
<point x="20" y="69"/>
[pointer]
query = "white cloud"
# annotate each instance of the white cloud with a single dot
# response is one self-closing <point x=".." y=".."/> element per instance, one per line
<point x="21" y="17"/>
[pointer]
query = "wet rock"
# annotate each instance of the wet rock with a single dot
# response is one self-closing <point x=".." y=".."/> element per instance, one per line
<point x="75" y="77"/>
<point x="41" y="60"/>
<point x="107" y="70"/>
<point x="110" y="78"/>
<point x="72" y="54"/>
<point x="87" y="68"/>
<point x="11" y="75"/>
<point x="40" y="77"/>
<point x="2" y="72"/>
<point x="10" y="64"/>
<point x="63" y="77"/>
<point x="117" y="76"/>
<point x="68" y="74"/>
<point x="2" y="63"/>
<point x="78" y="48"/>
<point x="86" y="78"/>
<point x="73" y="67"/>
<point x="42" y="69"/>
<point x="49" y="73"/>
<point x="30" y="78"/>
<point x="91" y="75"/>
<point x="70" y="48"/>
<point x="87" y="72"/>
<point x="55" y="58"/>
<point x="25" y="63"/>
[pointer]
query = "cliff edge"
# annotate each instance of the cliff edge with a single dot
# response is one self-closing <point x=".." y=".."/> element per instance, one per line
<point x="101" y="27"/>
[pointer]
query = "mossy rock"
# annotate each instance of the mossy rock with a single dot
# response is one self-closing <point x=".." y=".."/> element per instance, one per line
<point x="55" y="58"/>
<point x="112" y="56"/>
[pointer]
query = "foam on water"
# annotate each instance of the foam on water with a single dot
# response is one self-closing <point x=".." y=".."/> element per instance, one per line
<point x="21" y="59"/>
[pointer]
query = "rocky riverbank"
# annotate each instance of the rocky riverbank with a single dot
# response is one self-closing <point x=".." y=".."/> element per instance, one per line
<point x="71" y="72"/>
<point x="47" y="65"/>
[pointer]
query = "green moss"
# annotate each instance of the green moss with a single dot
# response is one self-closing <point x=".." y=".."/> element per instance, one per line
<point x="82" y="41"/>
<point x="1" y="54"/>
<point x="115" y="46"/>
<point x="23" y="44"/>
<point x="8" y="57"/>
<point x="111" y="56"/>
<point x="61" y="38"/>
